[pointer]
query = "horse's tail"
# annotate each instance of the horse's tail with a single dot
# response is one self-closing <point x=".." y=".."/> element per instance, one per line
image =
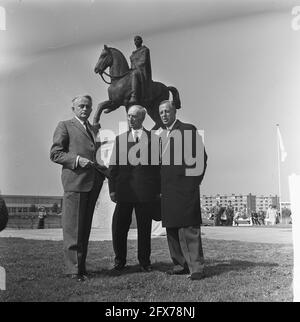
<point x="176" y="98"/>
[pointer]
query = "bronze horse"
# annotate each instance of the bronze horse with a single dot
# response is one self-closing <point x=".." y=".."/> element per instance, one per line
<point x="120" y="89"/>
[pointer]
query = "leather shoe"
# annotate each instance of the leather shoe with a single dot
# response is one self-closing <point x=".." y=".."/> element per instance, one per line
<point x="146" y="268"/>
<point x="78" y="277"/>
<point x="196" y="276"/>
<point x="73" y="276"/>
<point x="181" y="271"/>
<point x="83" y="271"/>
<point x="81" y="278"/>
<point x="119" y="267"/>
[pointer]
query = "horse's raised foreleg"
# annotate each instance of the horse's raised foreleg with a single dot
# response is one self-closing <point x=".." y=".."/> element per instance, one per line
<point x="101" y="106"/>
<point x="107" y="107"/>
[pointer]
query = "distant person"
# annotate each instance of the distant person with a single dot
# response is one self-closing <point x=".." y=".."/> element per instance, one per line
<point x="3" y="214"/>
<point x="271" y="215"/>
<point x="245" y="214"/>
<point x="229" y="213"/>
<point x="223" y="216"/>
<point x="238" y="215"/>
<point x="278" y="215"/>
<point x="286" y="211"/>
<point x="286" y="215"/>
<point x="207" y="211"/>
<point x="261" y="217"/>
<point x="216" y="214"/>
<point x="41" y="217"/>
<point x="180" y="193"/>
<point x="74" y="147"/>
<point x="254" y="218"/>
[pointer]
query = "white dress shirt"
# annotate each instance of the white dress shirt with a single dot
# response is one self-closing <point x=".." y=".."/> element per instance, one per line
<point x="82" y="123"/>
<point x="169" y="128"/>
<point x="137" y="133"/>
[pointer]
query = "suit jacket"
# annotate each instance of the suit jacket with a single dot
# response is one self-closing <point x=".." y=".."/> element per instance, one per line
<point x="69" y="140"/>
<point x="180" y="193"/>
<point x="133" y="183"/>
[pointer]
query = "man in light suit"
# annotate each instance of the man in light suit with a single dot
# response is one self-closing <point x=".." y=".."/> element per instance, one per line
<point x="134" y="184"/>
<point x="74" y="147"/>
<point x="180" y="195"/>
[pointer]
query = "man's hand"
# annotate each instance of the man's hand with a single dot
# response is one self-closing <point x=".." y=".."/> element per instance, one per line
<point x="113" y="197"/>
<point x="85" y="163"/>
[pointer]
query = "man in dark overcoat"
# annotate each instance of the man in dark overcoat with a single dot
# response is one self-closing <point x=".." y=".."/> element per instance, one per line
<point x="183" y="164"/>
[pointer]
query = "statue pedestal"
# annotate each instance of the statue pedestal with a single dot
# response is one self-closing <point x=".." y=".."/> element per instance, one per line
<point x="104" y="209"/>
<point x="158" y="229"/>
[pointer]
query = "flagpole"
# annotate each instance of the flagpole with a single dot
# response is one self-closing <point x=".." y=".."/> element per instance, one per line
<point x="279" y="178"/>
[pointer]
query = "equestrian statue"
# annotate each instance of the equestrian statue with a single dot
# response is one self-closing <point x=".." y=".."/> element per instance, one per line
<point x="131" y="86"/>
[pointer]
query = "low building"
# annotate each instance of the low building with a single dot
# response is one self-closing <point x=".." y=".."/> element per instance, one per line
<point x="250" y="201"/>
<point x="263" y="202"/>
<point x="27" y="203"/>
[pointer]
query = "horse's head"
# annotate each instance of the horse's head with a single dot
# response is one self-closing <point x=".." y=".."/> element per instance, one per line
<point x="105" y="60"/>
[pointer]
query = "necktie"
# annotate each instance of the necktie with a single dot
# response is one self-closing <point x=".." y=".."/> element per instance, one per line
<point x="160" y="151"/>
<point x="136" y="137"/>
<point x="136" y="140"/>
<point x="88" y="131"/>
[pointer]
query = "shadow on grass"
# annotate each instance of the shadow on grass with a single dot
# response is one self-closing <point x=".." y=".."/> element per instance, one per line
<point x="218" y="267"/>
<point x="129" y="269"/>
<point x="212" y="268"/>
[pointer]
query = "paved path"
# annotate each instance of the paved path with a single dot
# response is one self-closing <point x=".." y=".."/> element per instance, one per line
<point x="274" y="235"/>
<point x="282" y="235"/>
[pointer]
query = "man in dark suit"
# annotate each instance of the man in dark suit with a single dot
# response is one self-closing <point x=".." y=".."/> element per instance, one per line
<point x="74" y="147"/>
<point x="181" y="175"/>
<point x="134" y="184"/>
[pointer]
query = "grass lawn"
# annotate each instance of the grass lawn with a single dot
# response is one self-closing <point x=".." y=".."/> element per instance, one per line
<point x="236" y="271"/>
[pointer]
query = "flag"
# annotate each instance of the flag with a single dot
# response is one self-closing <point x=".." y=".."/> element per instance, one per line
<point x="281" y="146"/>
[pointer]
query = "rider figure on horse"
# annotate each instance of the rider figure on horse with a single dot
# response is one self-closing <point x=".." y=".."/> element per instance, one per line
<point x="141" y="80"/>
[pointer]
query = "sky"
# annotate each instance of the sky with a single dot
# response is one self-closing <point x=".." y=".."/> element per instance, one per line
<point x="237" y="74"/>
